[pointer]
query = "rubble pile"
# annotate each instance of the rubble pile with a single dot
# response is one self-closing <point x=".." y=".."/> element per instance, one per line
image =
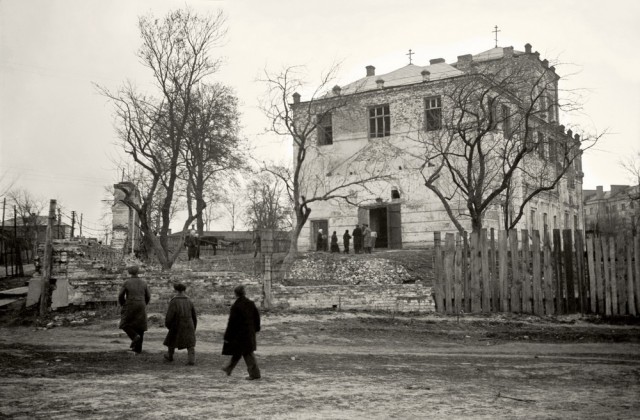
<point x="327" y="269"/>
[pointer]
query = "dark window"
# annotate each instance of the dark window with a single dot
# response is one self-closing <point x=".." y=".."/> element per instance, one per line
<point x="541" y="145"/>
<point x="379" y="121"/>
<point x="506" y="120"/>
<point x="433" y="113"/>
<point x="395" y="194"/>
<point x="325" y="130"/>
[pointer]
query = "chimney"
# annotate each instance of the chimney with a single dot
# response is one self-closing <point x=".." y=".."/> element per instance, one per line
<point x="464" y="61"/>
<point x="425" y="75"/>
<point x="296" y="98"/>
<point x="371" y="71"/>
<point x="545" y="63"/>
<point x="599" y="192"/>
<point x="577" y="137"/>
<point x="527" y="48"/>
<point x="537" y="54"/>
<point x="336" y="90"/>
<point x="380" y="83"/>
<point x="436" y="61"/>
<point x="570" y="133"/>
<point x="507" y="52"/>
<point x="561" y="128"/>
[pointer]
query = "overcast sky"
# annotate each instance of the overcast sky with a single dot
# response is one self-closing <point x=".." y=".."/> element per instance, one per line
<point x="56" y="133"/>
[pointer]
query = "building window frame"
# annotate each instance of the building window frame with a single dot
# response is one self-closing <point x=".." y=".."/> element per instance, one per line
<point x="433" y="113"/>
<point x="379" y="121"/>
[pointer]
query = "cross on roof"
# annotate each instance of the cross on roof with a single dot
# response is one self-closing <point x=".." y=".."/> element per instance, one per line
<point x="496" y="30"/>
<point x="410" y="54"/>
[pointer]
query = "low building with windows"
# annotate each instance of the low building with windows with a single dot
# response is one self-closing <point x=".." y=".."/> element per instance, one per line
<point x="614" y="211"/>
<point x="394" y="119"/>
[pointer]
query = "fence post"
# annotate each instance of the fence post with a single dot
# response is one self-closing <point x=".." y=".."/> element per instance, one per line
<point x="266" y="247"/>
<point x="559" y="278"/>
<point x="630" y="292"/>
<point x="449" y="254"/>
<point x="46" y="266"/>
<point x="636" y="279"/>
<point x="614" y="280"/>
<point x="548" y="274"/>
<point x="568" y="269"/>
<point x="607" y="277"/>
<point x="580" y="281"/>
<point x="592" y="273"/>
<point x="457" y="288"/>
<point x="466" y="272"/>
<point x="526" y="280"/>
<point x="494" y="284"/>
<point x="485" y="284"/>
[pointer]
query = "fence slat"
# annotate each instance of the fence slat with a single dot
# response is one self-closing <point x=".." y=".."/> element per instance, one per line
<point x="495" y="284"/>
<point x="466" y="272"/>
<point x="607" y="276"/>
<point x="476" y="273"/>
<point x="516" y="284"/>
<point x="636" y="277"/>
<point x="630" y="292"/>
<point x="548" y="275"/>
<point x="580" y="281"/>
<point x="592" y="274"/>
<point x="600" y="277"/>
<point x="526" y="279"/>
<point x="559" y="278"/>
<point x="457" y="286"/>
<point x="502" y="270"/>
<point x="570" y="305"/>
<point x="614" y="281"/>
<point x="485" y="284"/>
<point x="449" y="253"/>
<point x="437" y="284"/>
<point x="536" y="279"/>
<point x="621" y="273"/>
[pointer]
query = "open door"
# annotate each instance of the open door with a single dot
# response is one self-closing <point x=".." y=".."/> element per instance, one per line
<point x="395" y="226"/>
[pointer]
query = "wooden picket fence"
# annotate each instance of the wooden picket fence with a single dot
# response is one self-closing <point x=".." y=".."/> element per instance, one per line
<point x="560" y="273"/>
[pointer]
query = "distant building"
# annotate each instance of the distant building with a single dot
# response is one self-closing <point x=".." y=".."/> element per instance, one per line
<point x="34" y="229"/>
<point x="612" y="211"/>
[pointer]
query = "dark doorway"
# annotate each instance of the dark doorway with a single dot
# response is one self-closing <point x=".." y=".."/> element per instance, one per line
<point x="315" y="226"/>
<point x="378" y="223"/>
<point x="395" y="226"/>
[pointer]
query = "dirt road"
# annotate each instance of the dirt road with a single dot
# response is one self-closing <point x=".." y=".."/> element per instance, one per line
<point x="331" y="366"/>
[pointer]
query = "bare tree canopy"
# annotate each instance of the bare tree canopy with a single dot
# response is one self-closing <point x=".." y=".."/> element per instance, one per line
<point x="267" y="203"/>
<point x="153" y="127"/>
<point x="495" y="140"/>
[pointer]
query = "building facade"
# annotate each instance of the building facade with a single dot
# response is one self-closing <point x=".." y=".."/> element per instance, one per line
<point x="613" y="211"/>
<point x="394" y="125"/>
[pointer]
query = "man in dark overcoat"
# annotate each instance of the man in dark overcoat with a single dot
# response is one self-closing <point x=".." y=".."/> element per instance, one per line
<point x="346" y="238"/>
<point x="134" y="297"/>
<point x="240" y="336"/>
<point x="181" y="321"/>
<point x="357" y="239"/>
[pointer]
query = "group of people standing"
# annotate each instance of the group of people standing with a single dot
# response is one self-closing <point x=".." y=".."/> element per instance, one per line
<point x="364" y="240"/>
<point x="181" y="321"/>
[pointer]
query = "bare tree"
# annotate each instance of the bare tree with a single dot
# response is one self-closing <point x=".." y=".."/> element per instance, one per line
<point x="212" y="146"/>
<point x="494" y="140"/>
<point x="318" y="179"/>
<point x="267" y="203"/>
<point x="153" y="128"/>
<point x="28" y="208"/>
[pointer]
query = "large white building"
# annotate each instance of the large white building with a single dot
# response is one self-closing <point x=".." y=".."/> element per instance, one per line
<point x="395" y="123"/>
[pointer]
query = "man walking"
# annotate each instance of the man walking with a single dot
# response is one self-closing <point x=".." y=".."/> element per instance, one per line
<point x="133" y="297"/>
<point x="240" y="336"/>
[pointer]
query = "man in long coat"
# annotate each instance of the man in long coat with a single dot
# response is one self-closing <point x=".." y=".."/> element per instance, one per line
<point x="345" y="240"/>
<point x="357" y="239"/>
<point x="181" y="321"/>
<point x="366" y="239"/>
<point x="240" y="336"/>
<point x="134" y="297"/>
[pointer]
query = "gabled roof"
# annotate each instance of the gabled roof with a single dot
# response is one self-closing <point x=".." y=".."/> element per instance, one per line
<point x="406" y="75"/>
<point x="493" y="54"/>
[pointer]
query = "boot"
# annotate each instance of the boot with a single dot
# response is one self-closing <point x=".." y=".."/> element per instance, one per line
<point x="191" y="356"/>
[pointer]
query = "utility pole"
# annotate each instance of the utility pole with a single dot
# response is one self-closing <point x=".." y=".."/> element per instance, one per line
<point x="81" y="225"/>
<point x="4" y="245"/>
<point x="59" y="223"/>
<point x="73" y="222"/>
<point x="14" y="259"/>
<point x="48" y="254"/>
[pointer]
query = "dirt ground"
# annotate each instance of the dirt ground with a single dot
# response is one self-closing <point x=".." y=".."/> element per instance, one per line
<point x="331" y="365"/>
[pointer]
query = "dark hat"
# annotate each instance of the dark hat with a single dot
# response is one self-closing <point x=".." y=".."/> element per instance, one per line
<point x="179" y="287"/>
<point x="239" y="290"/>
<point x="133" y="270"/>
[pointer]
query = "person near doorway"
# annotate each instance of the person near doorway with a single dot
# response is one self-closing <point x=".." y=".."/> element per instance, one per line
<point x="357" y="239"/>
<point x="133" y="297"/>
<point x="334" y="242"/>
<point x="181" y="321"/>
<point x="191" y="243"/>
<point x="374" y="237"/>
<point x="366" y="238"/>
<point x="240" y="335"/>
<point x="319" y="241"/>
<point x="346" y="238"/>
